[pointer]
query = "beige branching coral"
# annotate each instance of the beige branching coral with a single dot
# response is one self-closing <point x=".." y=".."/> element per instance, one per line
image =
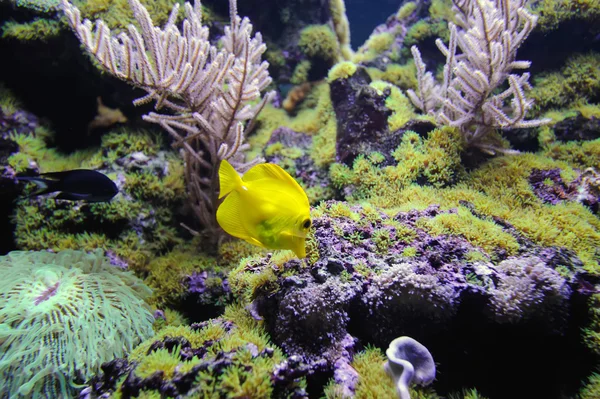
<point x="205" y="97"/>
<point x="480" y="57"/>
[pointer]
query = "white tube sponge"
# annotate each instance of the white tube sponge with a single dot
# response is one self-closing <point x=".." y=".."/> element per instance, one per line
<point x="409" y="362"/>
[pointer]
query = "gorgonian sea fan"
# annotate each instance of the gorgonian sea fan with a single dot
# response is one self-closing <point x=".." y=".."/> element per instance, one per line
<point x="61" y="316"/>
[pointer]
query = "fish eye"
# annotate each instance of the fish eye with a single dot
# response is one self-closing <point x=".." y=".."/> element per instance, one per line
<point x="306" y="224"/>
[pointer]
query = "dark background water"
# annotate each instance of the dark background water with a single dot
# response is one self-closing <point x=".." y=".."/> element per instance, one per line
<point x="365" y="15"/>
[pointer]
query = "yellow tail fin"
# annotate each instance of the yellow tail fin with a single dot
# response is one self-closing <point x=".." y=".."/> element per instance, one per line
<point x="229" y="179"/>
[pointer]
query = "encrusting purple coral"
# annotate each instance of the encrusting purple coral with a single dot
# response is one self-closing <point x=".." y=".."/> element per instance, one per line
<point x="207" y="287"/>
<point x="550" y="187"/>
<point x="374" y="277"/>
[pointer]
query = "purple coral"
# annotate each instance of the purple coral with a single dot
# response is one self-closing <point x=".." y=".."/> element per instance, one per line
<point x="355" y="289"/>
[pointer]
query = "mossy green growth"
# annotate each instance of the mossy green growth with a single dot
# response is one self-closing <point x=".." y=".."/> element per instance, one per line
<point x="404" y="76"/>
<point x="437" y="158"/>
<point x="49" y="159"/>
<point x="45" y="223"/>
<point x="581" y="154"/>
<point x="319" y="41"/>
<point x="166" y="274"/>
<point x="409" y="252"/>
<point x="341" y="70"/>
<point x="315" y="117"/>
<point x="499" y="188"/>
<point x="147" y="186"/>
<point x="19" y="162"/>
<point x="406" y="10"/>
<point x="578" y="80"/>
<point x="117" y="14"/>
<point x="591" y="333"/>
<point x="274" y="57"/>
<point x="38" y="29"/>
<point x="301" y="71"/>
<point x="376" y="45"/>
<point x="123" y="141"/>
<point x="482" y="233"/>
<point x="247" y="375"/>
<point x="442" y="10"/>
<point x="425" y="29"/>
<point x="9" y="103"/>
<point x="401" y="107"/>
<point x="588" y="110"/>
<point x="39" y="6"/>
<point x="467" y="394"/>
<point x="554" y="12"/>
<point x="171" y="318"/>
<point x="251" y="276"/>
<point x="380" y="42"/>
<point x="591" y="390"/>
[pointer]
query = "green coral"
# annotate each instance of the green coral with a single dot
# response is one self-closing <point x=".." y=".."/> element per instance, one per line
<point x="500" y="188"/>
<point x="301" y="72"/>
<point x="42" y="6"/>
<point x="63" y="315"/>
<point x="49" y="159"/>
<point x="319" y="41"/>
<point x="578" y="80"/>
<point x="403" y="76"/>
<point x="117" y="14"/>
<point x="45" y="223"/>
<point x="425" y="29"/>
<point x="341" y="70"/>
<point x="380" y="42"/>
<point x="591" y="390"/>
<point x="554" y="12"/>
<point x="482" y="233"/>
<point x="123" y="141"/>
<point x="406" y="10"/>
<point x="9" y="104"/>
<point x="401" y="107"/>
<point x="245" y="375"/>
<point x="435" y="158"/>
<point x="166" y="274"/>
<point x="315" y="117"/>
<point x="38" y="29"/>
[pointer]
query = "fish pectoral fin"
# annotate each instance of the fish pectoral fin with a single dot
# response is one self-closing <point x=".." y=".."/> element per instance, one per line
<point x="254" y="241"/>
<point x="229" y="217"/>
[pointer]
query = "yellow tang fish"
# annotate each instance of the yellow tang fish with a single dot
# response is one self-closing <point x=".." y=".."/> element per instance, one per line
<point x="265" y="207"/>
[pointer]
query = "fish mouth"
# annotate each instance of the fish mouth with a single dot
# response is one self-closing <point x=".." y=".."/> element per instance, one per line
<point x="298" y="246"/>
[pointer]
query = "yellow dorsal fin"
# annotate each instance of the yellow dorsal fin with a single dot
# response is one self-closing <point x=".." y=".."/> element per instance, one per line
<point x="273" y="171"/>
<point x="229" y="180"/>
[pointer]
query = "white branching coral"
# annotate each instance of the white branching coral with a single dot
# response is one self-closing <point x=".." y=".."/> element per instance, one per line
<point x="205" y="97"/>
<point x="480" y="57"/>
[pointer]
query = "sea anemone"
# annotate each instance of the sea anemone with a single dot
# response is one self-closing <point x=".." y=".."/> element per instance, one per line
<point x="61" y="316"/>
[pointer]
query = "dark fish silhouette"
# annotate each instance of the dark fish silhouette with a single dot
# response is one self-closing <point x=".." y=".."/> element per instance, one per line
<point x="78" y="184"/>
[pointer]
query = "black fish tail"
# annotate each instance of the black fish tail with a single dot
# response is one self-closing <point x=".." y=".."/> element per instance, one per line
<point x="45" y="186"/>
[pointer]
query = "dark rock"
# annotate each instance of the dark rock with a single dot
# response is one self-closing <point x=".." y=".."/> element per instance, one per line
<point x="578" y="128"/>
<point x="522" y="139"/>
<point x="361" y="117"/>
